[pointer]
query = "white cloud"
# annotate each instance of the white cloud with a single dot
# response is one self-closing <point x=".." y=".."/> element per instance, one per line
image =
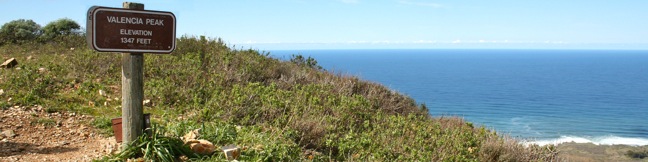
<point x="424" y="41"/>
<point x="350" y="1"/>
<point x="425" y="4"/>
<point x="456" y="41"/>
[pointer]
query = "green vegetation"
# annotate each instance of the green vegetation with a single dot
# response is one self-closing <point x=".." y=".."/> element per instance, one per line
<point x="27" y="31"/>
<point x="19" y="31"/>
<point x="638" y="154"/>
<point x="104" y="124"/>
<point x="59" y="27"/>
<point x="154" y="147"/>
<point x="273" y="110"/>
<point x="44" y="122"/>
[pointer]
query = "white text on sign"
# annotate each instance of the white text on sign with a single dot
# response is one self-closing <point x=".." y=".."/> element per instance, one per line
<point x="136" y="40"/>
<point x="134" y="20"/>
<point x="135" y="32"/>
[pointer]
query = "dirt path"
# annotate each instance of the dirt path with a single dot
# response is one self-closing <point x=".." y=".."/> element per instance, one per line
<point x="31" y="134"/>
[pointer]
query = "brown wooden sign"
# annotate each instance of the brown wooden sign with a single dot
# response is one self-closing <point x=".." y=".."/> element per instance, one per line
<point x="135" y="31"/>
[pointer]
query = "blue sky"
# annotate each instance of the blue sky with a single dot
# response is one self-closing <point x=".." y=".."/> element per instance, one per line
<point x="324" y="24"/>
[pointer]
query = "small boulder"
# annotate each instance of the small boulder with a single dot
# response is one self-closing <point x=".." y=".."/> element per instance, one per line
<point x="8" y="133"/>
<point x="147" y="103"/>
<point x="203" y="147"/>
<point x="9" y="63"/>
<point x="64" y="143"/>
<point x="231" y="152"/>
<point x="102" y="93"/>
<point x="191" y="136"/>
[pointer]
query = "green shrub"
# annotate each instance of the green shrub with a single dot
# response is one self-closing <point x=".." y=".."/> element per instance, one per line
<point x="104" y="125"/>
<point x="303" y="61"/>
<point x="155" y="147"/>
<point x="19" y="31"/>
<point x="637" y="154"/>
<point x="44" y="122"/>
<point x="58" y="28"/>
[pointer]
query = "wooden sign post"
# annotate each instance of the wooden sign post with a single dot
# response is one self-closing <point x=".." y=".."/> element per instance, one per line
<point x="132" y="90"/>
<point x="135" y="31"/>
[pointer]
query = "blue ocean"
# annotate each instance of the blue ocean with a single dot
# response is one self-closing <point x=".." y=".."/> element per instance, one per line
<point x="538" y="96"/>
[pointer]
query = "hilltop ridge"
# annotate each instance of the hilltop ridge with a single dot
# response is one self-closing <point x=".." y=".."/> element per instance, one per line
<point x="274" y="110"/>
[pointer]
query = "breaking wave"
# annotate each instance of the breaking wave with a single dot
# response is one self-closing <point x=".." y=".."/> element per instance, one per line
<point x="605" y="140"/>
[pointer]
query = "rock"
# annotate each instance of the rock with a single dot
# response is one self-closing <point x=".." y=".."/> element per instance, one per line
<point x="258" y="147"/>
<point x="71" y="49"/>
<point x="30" y="57"/>
<point x="1" y="92"/>
<point x="64" y="143"/>
<point x="9" y="133"/>
<point x="231" y="152"/>
<point x="147" y="102"/>
<point x="192" y="135"/>
<point x="203" y="147"/>
<point x="9" y="63"/>
<point x="198" y="146"/>
<point x="42" y="70"/>
<point x="5" y="140"/>
<point x="184" y="158"/>
<point x="135" y="160"/>
<point x="102" y="92"/>
<point x="110" y="146"/>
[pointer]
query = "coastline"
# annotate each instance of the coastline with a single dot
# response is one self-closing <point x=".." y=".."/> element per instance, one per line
<point x="572" y="151"/>
<point x="599" y="140"/>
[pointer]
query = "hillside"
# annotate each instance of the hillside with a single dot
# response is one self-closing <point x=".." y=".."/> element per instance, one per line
<point x="274" y="110"/>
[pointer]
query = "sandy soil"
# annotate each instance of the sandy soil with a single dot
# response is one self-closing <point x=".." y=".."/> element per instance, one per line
<point x="31" y="134"/>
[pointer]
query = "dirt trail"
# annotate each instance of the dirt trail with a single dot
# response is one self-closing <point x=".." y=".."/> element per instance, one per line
<point x="31" y="134"/>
